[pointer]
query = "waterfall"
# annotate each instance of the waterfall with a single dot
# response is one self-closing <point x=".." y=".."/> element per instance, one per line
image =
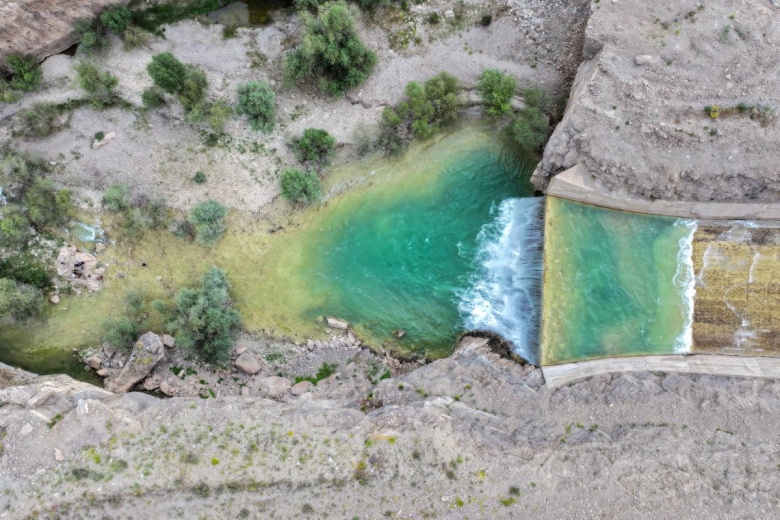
<point x="505" y="294"/>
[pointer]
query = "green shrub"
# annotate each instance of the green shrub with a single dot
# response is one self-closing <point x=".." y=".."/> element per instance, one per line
<point x="217" y="114"/>
<point x="40" y="120"/>
<point x="134" y="37"/>
<point x="26" y="73"/>
<point x="18" y="300"/>
<point x="206" y="320"/>
<point x="150" y="213"/>
<point x="486" y="20"/>
<point x="99" y="84"/>
<point x="25" y="268"/>
<point x="315" y="147"/>
<point x="99" y="135"/>
<point x="116" y="19"/>
<point x="19" y="170"/>
<point x="207" y="218"/>
<point x="116" y="198"/>
<point x="14" y="227"/>
<point x="364" y="140"/>
<point x="199" y="178"/>
<point x="121" y="333"/>
<point x="92" y="37"/>
<point x="167" y="73"/>
<point x="331" y="53"/>
<point x="434" y="18"/>
<point x="530" y="129"/>
<point x="536" y="97"/>
<point x="47" y="206"/>
<point x="153" y="97"/>
<point x="192" y="91"/>
<point x="256" y="100"/>
<point x="497" y="90"/>
<point x="299" y="186"/>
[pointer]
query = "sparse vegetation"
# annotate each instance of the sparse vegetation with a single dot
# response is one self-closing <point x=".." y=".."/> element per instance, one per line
<point x="331" y="53"/>
<point x="99" y="84"/>
<point x="153" y="97"/>
<point x="18" y="300"/>
<point x="325" y="371"/>
<point x="38" y="121"/>
<point x="26" y="74"/>
<point x="299" y="186"/>
<point x="530" y="128"/>
<point x="256" y="100"/>
<point x="92" y="35"/>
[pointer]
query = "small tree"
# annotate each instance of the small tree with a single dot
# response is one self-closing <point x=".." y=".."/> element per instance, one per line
<point x="193" y="89"/>
<point x="331" y="53"/>
<point x="117" y="19"/>
<point x="256" y="100"/>
<point x="26" y="72"/>
<point x="206" y="320"/>
<point x="530" y="129"/>
<point x="92" y="37"/>
<point x="38" y="121"/>
<point x="299" y="186"/>
<point x="315" y="147"/>
<point x="207" y="218"/>
<point x="497" y="90"/>
<point x="152" y="97"/>
<point x="167" y="72"/>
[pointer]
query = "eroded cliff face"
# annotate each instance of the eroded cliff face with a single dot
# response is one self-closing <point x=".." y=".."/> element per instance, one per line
<point x="636" y="116"/>
<point x="474" y="435"/>
<point x="43" y="27"/>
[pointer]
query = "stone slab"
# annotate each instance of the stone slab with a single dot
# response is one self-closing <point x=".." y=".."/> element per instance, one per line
<point x="738" y="366"/>
<point x="574" y="184"/>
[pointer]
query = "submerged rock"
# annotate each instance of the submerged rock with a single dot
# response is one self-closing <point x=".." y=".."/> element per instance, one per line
<point x="337" y="323"/>
<point x="147" y="352"/>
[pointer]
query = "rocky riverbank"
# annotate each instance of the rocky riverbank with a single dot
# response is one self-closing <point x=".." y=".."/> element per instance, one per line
<point x="473" y="435"/>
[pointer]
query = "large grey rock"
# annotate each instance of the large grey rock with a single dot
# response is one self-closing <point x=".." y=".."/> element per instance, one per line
<point x="147" y="352"/>
<point x="301" y="388"/>
<point x="248" y="363"/>
<point x="275" y="386"/>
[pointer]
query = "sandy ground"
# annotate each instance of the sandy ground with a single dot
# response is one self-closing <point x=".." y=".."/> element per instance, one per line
<point x="159" y="152"/>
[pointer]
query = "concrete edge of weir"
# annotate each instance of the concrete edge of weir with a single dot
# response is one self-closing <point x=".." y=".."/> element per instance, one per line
<point x="577" y="185"/>
<point x="710" y="364"/>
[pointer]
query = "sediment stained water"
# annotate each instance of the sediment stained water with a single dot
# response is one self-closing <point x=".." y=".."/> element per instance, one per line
<point x="615" y="283"/>
<point x="392" y="247"/>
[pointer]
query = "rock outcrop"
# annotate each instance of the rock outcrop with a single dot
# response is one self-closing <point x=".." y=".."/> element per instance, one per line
<point x="80" y="269"/>
<point x="146" y="353"/>
<point x="636" y="117"/>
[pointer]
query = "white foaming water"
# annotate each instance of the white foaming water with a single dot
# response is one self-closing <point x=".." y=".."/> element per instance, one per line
<point x="505" y="296"/>
<point x="685" y="279"/>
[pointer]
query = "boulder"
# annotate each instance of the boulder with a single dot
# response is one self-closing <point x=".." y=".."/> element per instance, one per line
<point x="169" y="341"/>
<point x="301" y="388"/>
<point x="106" y="139"/>
<point x="55" y="299"/>
<point x="166" y="388"/>
<point x="240" y="350"/>
<point x="337" y="323"/>
<point x="151" y="383"/>
<point x="58" y="456"/>
<point x="94" y="361"/>
<point x="275" y="386"/>
<point x="248" y="363"/>
<point x="80" y="268"/>
<point x="644" y="59"/>
<point x="147" y="352"/>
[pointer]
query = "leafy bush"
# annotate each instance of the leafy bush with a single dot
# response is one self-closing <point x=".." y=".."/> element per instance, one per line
<point x="207" y="218"/>
<point x="299" y="186"/>
<point x="217" y="114"/>
<point x="14" y="227"/>
<point x="153" y="97"/>
<point x="99" y="84"/>
<point x="116" y="19"/>
<point x="121" y="333"/>
<point x="92" y="37"/>
<point x="497" y="90"/>
<point x="19" y="170"/>
<point x="26" y="73"/>
<point x="47" y="206"/>
<point x="199" y="178"/>
<point x="530" y="129"/>
<point x="116" y="198"/>
<point x="315" y="147"/>
<point x="40" y="120"/>
<point x="256" y="100"/>
<point x="134" y="37"/>
<point x="536" y="97"/>
<point x="434" y="18"/>
<point x="18" y="300"/>
<point x="168" y="73"/>
<point x="206" y="320"/>
<point x="193" y="89"/>
<point x="331" y="53"/>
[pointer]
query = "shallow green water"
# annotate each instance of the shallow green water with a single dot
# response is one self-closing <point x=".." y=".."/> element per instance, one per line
<point x="616" y="283"/>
